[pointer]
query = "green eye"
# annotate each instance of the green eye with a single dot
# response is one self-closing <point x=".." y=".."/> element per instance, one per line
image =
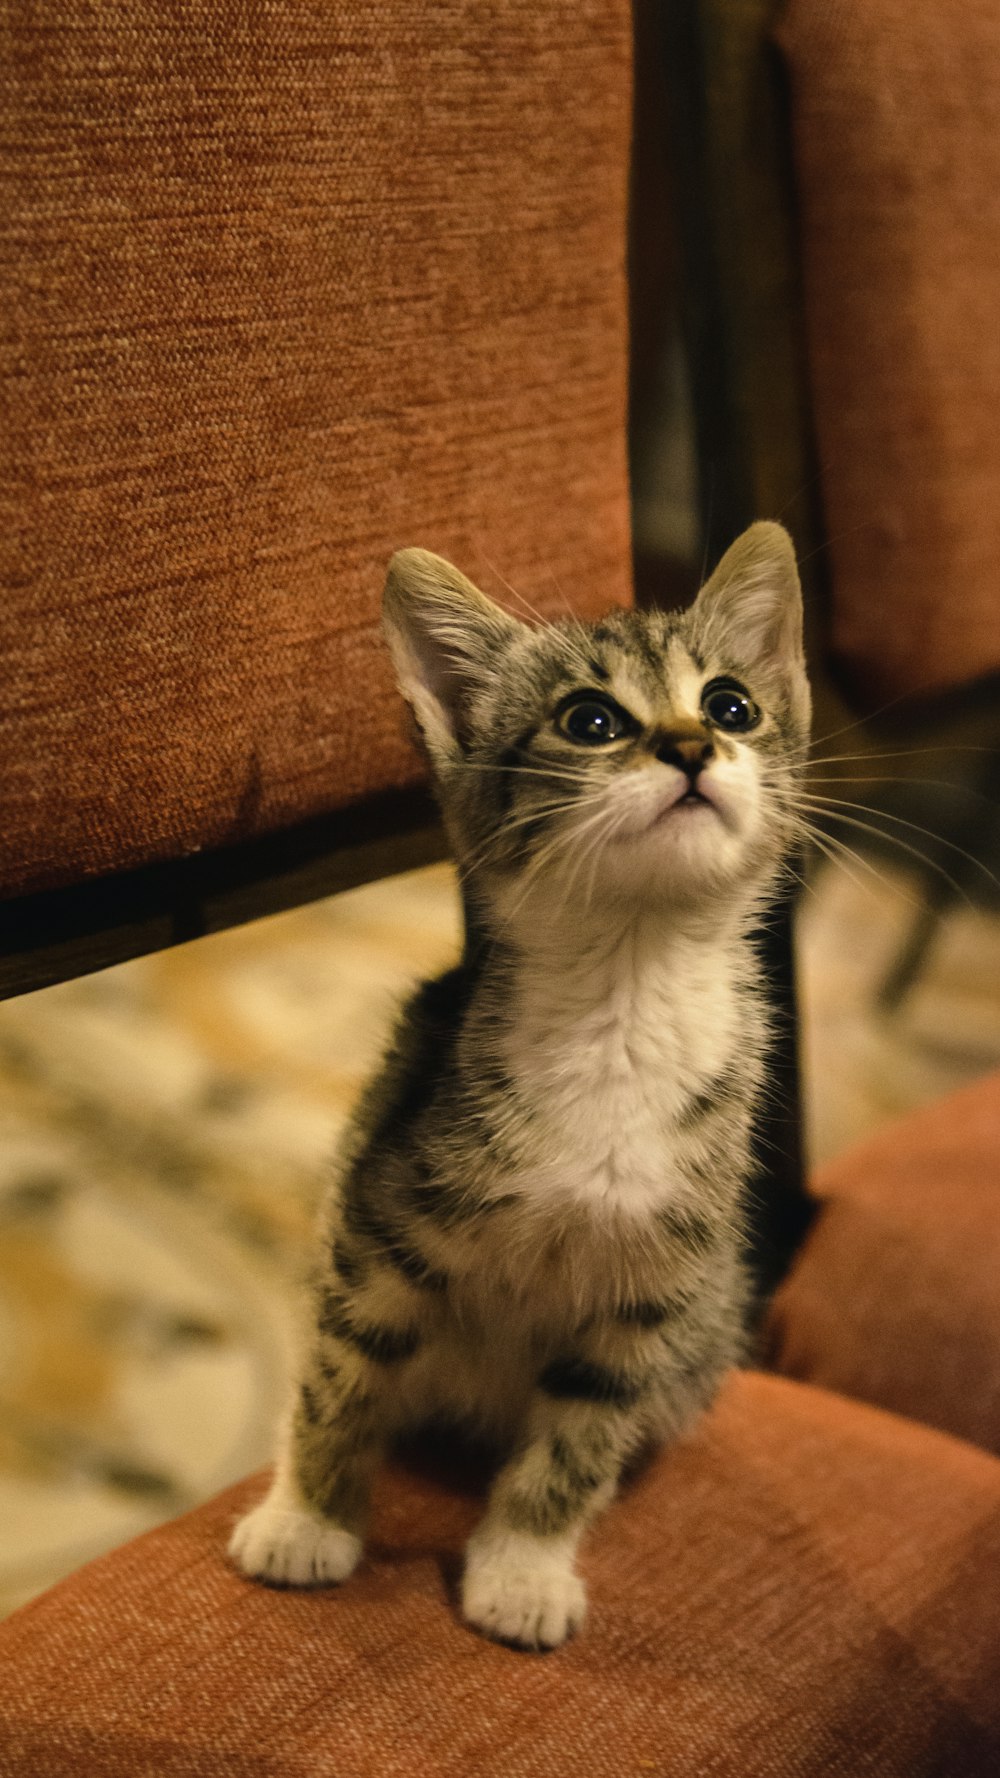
<point x="593" y="721"/>
<point x="728" y="705"/>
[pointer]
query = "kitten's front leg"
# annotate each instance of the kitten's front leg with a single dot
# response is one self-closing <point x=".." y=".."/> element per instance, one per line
<point x="287" y="1542"/>
<point x="308" y="1530"/>
<point x="520" y="1582"/>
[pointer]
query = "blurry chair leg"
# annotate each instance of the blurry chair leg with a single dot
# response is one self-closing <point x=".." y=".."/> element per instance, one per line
<point x="961" y="875"/>
<point x="909" y="960"/>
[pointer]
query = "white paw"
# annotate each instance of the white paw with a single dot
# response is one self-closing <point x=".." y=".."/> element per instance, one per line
<point x="292" y="1548"/>
<point x="522" y="1589"/>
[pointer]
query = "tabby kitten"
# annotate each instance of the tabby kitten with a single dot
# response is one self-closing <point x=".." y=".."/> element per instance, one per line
<point x="539" y="1221"/>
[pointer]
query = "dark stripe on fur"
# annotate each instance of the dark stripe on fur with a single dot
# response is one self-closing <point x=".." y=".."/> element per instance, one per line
<point x="421" y="1055"/>
<point x="334" y="1476"/>
<point x="382" y="1345"/>
<point x="510" y="763"/>
<point x="583" y="1480"/>
<point x="511" y="757"/>
<point x="646" y="1313"/>
<point x="346" y="1264"/>
<point x="574" y="1379"/>
<point x="310" y="1406"/>
<point x="689" y="1228"/>
<point x="636" y="642"/>
<point x="545" y="1513"/>
<point x="559" y="1496"/>
<point x="414" y="1267"/>
<point x="449" y="1205"/>
<point x="712" y="1098"/>
<point x="400" y="1254"/>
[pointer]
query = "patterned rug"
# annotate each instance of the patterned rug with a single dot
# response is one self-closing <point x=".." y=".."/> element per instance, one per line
<point x="166" y="1129"/>
<point x="166" y="1126"/>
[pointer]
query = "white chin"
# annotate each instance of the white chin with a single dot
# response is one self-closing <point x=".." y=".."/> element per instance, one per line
<point x="690" y="848"/>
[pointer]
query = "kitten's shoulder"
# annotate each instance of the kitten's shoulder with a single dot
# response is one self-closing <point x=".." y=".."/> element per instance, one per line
<point x="420" y="1052"/>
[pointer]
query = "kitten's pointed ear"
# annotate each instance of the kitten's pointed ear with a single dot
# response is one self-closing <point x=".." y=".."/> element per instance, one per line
<point x="444" y="636"/>
<point x="751" y="609"/>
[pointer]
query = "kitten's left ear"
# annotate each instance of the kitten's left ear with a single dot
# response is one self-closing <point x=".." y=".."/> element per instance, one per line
<point x="752" y="607"/>
<point x="755" y="590"/>
<point x="445" y="637"/>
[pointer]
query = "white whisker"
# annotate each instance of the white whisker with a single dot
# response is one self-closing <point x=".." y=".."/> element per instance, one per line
<point x="874" y="754"/>
<point x="837" y="851"/>
<point x="576" y="647"/>
<point x="832" y="805"/>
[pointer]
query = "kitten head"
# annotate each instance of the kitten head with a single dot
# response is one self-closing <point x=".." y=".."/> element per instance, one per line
<point x="650" y="758"/>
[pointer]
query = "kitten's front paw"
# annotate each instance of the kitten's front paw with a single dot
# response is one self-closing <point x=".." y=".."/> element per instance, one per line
<point x="293" y="1549"/>
<point x="522" y="1589"/>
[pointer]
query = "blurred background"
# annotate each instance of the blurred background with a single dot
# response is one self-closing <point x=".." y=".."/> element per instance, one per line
<point x="168" y="1122"/>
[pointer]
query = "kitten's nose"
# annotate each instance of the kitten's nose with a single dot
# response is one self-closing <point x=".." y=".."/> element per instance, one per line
<point x="688" y="752"/>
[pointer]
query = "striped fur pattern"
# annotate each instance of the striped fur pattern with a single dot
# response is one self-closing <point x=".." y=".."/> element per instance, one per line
<point x="538" y="1223"/>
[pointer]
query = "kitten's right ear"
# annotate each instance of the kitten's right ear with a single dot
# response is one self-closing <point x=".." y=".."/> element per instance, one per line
<point x="444" y="636"/>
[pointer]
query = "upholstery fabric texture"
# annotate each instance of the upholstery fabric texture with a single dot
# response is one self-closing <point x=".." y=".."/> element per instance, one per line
<point x="894" y="1298"/>
<point x="896" y="126"/>
<point x="807" y="1586"/>
<point x="286" y="287"/>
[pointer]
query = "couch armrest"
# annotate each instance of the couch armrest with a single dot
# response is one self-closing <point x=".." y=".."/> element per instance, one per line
<point x="895" y="1296"/>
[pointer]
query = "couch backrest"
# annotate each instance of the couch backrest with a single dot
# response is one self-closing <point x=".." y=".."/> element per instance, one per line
<point x="286" y="287"/>
<point x="896" y="131"/>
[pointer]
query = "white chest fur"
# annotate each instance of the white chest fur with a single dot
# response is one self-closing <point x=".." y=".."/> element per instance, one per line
<point x="611" y="1038"/>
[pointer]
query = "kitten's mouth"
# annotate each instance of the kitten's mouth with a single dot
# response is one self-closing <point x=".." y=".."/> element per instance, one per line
<point x="691" y="798"/>
<point x="692" y="805"/>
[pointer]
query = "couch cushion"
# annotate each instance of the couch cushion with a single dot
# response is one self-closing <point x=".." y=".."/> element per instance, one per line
<point x="895" y="1297"/>
<point x="807" y="1586"/>
<point x="896" y="120"/>
<point x="286" y="287"/>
